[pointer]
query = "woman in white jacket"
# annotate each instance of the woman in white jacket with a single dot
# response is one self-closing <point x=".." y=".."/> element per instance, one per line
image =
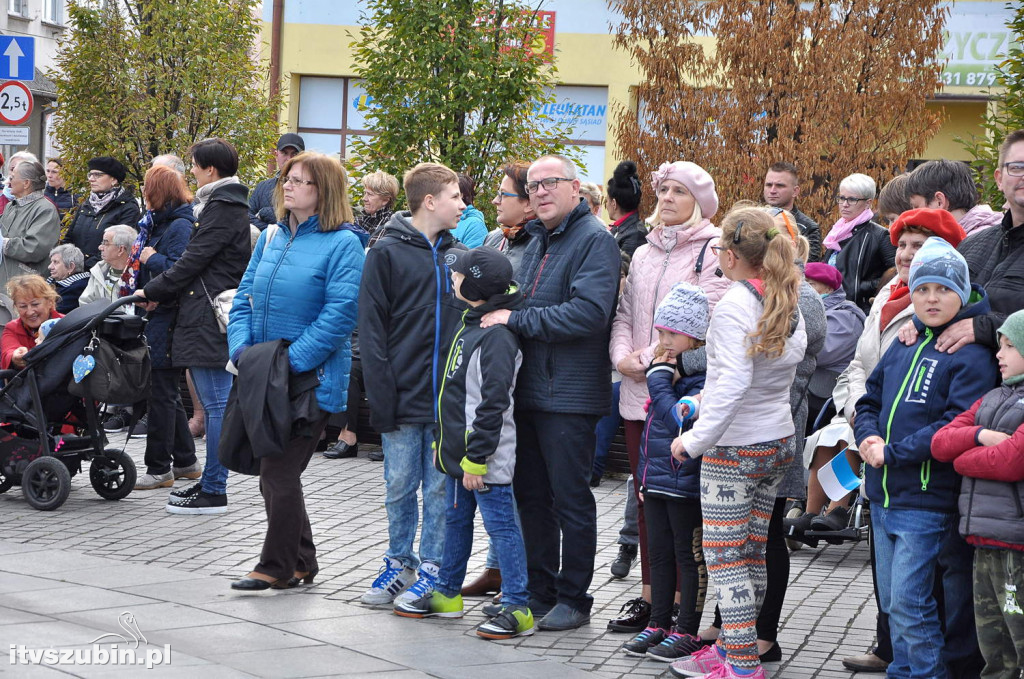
<point x="755" y="341"/>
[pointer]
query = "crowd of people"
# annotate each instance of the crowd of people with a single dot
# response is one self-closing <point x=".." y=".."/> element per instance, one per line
<point x="739" y="350"/>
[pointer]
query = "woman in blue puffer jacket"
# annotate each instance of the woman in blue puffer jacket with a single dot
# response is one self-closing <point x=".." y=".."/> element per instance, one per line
<point x="302" y="286"/>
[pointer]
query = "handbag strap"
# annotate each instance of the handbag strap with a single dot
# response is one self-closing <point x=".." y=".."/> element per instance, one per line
<point x="207" y="292"/>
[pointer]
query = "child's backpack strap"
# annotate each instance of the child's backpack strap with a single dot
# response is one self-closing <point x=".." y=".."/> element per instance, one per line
<point x="793" y="323"/>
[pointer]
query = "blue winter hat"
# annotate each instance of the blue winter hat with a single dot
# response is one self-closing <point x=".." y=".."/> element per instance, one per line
<point x="684" y="311"/>
<point x="938" y="262"/>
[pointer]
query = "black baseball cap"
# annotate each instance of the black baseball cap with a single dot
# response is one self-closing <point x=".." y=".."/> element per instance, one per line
<point x="487" y="271"/>
<point x="291" y="139"/>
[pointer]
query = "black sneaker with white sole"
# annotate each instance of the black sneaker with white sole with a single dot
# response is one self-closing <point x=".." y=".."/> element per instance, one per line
<point x="187" y="491"/>
<point x="117" y="422"/>
<point x="141" y="428"/>
<point x="200" y="503"/>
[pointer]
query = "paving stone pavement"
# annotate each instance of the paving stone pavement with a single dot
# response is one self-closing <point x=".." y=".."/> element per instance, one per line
<point x="67" y="576"/>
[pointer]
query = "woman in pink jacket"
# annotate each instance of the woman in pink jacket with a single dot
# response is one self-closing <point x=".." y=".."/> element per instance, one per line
<point x="678" y="249"/>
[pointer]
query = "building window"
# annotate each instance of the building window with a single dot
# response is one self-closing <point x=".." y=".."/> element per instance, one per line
<point x="18" y="7"/>
<point x="53" y="12"/>
<point x="331" y="113"/>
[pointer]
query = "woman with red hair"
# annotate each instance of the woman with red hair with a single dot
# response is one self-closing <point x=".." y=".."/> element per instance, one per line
<point x="164" y="232"/>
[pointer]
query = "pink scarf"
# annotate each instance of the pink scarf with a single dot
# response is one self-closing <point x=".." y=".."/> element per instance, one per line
<point x="842" y="229"/>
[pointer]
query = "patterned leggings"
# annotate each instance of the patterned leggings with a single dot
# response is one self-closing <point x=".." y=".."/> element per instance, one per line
<point x="738" y="486"/>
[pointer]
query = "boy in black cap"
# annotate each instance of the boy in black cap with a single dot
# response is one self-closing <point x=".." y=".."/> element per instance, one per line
<point x="476" y="446"/>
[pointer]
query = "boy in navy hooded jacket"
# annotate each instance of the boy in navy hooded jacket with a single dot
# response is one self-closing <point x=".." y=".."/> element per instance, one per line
<point x="913" y="392"/>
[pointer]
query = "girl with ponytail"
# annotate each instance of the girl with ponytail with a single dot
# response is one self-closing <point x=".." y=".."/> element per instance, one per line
<point x="754" y="343"/>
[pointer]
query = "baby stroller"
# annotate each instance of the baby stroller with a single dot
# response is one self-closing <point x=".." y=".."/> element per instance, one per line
<point x="37" y="408"/>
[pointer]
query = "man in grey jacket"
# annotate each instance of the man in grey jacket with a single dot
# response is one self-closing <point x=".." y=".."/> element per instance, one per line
<point x="570" y="277"/>
<point x="29" y="227"/>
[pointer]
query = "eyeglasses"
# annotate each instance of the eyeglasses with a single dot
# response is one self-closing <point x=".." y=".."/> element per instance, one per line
<point x="549" y="184"/>
<point x="295" y="181"/>
<point x="505" y="194"/>
<point x="847" y="200"/>
<point x="1015" y="169"/>
<point x="95" y="175"/>
<point x="718" y="249"/>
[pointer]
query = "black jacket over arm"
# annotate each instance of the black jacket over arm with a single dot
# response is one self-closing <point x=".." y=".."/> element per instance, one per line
<point x="217" y="255"/>
<point x="995" y="258"/>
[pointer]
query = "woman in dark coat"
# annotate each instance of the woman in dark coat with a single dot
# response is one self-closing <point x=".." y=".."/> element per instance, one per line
<point x="624" y="194"/>
<point x="213" y="261"/>
<point x="108" y="204"/>
<point x="163" y="234"/>
<point x="856" y="245"/>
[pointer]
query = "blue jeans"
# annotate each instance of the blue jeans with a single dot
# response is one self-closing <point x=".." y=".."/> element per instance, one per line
<point x="605" y="431"/>
<point x="908" y="544"/>
<point x="492" y="551"/>
<point x="212" y="387"/>
<point x="408" y="464"/>
<point x="497" y="509"/>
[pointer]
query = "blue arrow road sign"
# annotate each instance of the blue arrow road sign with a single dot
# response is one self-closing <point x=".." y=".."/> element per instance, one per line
<point x="17" y="58"/>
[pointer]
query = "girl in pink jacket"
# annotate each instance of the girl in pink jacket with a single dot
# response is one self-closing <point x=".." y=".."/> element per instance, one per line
<point x="678" y="249"/>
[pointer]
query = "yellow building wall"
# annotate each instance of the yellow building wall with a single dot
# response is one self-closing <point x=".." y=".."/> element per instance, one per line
<point x="581" y="59"/>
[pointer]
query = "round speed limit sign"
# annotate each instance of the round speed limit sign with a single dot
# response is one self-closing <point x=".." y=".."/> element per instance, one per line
<point x="15" y="103"/>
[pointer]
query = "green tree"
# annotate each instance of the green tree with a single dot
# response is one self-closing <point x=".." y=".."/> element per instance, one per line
<point x="139" y="78"/>
<point x="1005" y="112"/>
<point x="454" y="82"/>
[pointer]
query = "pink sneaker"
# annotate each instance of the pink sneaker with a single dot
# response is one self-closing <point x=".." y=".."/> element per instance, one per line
<point x="701" y="663"/>
<point x="725" y="671"/>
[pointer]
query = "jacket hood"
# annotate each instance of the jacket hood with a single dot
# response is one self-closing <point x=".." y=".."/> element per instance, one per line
<point x="183" y="211"/>
<point x="233" y="192"/>
<point x="977" y="305"/>
<point x="469" y="212"/>
<point x="511" y="299"/>
<point x="665" y="238"/>
<point x="400" y="227"/>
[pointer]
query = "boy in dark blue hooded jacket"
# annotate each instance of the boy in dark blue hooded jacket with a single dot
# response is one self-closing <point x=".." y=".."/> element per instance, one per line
<point x="913" y="392"/>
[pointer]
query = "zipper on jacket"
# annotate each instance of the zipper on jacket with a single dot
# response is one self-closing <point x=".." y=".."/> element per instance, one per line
<point x="928" y="336"/>
<point x="926" y="474"/>
<point x="540" y="270"/>
<point x="860" y="260"/>
<point x="437" y="317"/>
<point x="273" y="277"/>
<point x="447" y="368"/>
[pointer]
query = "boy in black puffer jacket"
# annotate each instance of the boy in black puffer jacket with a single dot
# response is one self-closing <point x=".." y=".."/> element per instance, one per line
<point x="986" y="445"/>
<point x="476" y="446"/>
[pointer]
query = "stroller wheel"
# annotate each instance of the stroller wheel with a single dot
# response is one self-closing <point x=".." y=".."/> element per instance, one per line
<point x="112" y="474"/>
<point x="46" y="483"/>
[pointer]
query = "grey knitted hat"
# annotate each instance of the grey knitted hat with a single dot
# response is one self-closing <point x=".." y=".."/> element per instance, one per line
<point x="685" y="311"/>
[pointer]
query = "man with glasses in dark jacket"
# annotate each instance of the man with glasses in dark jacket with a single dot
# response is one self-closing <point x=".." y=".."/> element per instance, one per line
<point x="569" y="276"/>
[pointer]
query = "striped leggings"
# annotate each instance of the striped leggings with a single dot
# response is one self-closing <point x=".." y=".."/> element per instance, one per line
<point x="738" y="485"/>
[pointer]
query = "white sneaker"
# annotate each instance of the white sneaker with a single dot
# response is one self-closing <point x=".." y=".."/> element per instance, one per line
<point x="426" y="580"/>
<point x="393" y="578"/>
